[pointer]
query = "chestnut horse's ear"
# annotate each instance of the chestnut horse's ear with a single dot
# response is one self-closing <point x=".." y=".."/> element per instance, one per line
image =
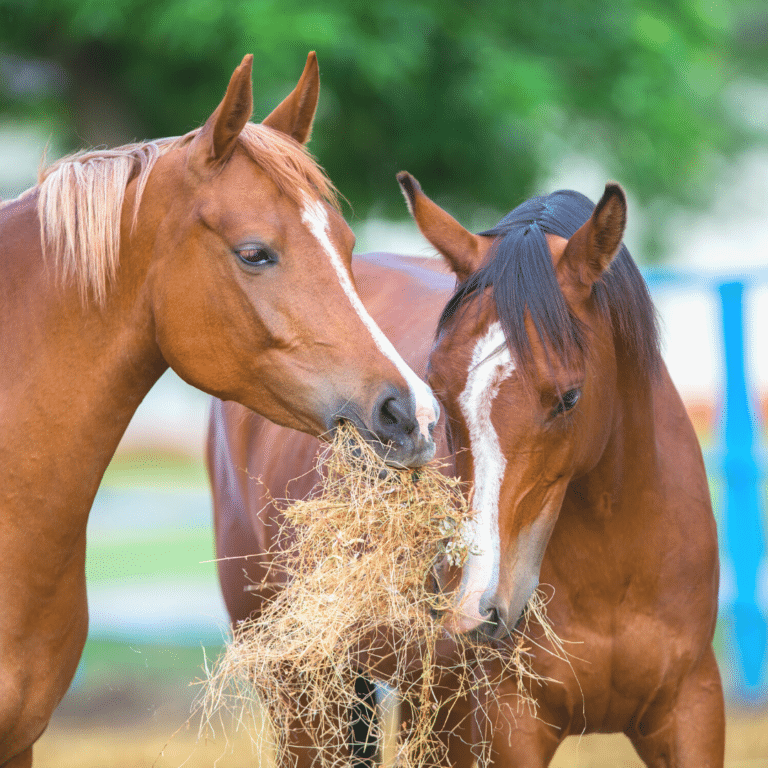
<point x="215" y="141"/>
<point x="594" y="245"/>
<point x="294" y="115"/>
<point x="463" y="251"/>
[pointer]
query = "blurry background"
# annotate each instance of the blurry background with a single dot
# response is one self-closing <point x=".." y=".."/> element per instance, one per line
<point x="486" y="103"/>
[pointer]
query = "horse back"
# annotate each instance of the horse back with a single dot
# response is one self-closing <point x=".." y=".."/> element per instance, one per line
<point x="252" y="462"/>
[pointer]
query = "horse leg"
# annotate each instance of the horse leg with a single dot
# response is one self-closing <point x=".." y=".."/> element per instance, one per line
<point x="521" y="742"/>
<point x="691" y="733"/>
<point x="490" y="730"/>
<point x="451" y="728"/>
<point x="363" y="745"/>
<point x="455" y="721"/>
<point x="508" y="734"/>
<point x="315" y="742"/>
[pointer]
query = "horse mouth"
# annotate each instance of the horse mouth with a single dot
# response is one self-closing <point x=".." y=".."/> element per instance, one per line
<point x="494" y="629"/>
<point x="413" y="451"/>
<point x="522" y="620"/>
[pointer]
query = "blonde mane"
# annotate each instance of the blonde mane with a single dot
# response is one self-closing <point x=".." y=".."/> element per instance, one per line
<point x="81" y="197"/>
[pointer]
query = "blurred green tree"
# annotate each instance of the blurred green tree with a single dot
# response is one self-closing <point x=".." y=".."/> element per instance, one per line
<point x="479" y="100"/>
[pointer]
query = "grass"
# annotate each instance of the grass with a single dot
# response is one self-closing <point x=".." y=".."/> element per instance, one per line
<point x="165" y="548"/>
<point x="129" y="707"/>
<point x="149" y="663"/>
<point x="155" y="554"/>
<point x="161" y="469"/>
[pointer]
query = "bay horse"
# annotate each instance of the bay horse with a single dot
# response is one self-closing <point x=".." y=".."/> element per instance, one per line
<point x="588" y="479"/>
<point x="221" y="254"/>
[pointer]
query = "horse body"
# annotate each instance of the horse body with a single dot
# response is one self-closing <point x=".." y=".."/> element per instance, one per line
<point x="61" y="425"/>
<point x="632" y="569"/>
<point x="220" y="254"/>
<point x="597" y="483"/>
<point x="601" y="491"/>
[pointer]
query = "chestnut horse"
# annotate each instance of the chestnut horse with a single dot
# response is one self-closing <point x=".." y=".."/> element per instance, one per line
<point x="221" y="254"/>
<point x="588" y="479"/>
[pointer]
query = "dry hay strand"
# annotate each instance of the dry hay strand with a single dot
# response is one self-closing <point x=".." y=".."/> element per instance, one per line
<point x="360" y="555"/>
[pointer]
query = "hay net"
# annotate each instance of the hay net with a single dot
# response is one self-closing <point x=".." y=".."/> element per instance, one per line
<point x="360" y="555"/>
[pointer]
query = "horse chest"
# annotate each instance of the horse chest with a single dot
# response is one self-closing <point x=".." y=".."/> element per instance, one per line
<point x="620" y="660"/>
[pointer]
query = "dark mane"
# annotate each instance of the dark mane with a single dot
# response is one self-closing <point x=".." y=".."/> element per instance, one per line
<point x="521" y="276"/>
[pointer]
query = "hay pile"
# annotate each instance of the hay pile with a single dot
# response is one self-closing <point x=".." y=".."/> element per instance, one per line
<point x="360" y="554"/>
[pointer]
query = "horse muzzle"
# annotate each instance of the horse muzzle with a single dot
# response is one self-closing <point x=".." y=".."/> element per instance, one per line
<point x="484" y="612"/>
<point x="491" y="622"/>
<point x="399" y="430"/>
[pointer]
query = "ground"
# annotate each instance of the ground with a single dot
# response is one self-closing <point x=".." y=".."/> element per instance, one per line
<point x="130" y="709"/>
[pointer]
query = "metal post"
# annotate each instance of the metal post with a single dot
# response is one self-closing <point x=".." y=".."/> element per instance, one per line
<point x="745" y="538"/>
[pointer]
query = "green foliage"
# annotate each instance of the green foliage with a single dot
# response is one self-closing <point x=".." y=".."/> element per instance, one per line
<point x="479" y="101"/>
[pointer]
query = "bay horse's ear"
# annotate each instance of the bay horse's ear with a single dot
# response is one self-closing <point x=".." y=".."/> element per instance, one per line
<point x="463" y="251"/>
<point x="594" y="245"/>
<point x="294" y="115"/>
<point x="215" y="141"/>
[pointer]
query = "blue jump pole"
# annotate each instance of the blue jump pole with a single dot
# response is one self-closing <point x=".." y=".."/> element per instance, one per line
<point x="745" y="538"/>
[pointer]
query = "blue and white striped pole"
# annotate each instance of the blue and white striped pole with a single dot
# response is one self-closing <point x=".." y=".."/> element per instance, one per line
<point x="745" y="537"/>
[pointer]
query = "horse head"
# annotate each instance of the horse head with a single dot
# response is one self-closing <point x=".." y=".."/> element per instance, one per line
<point x="524" y="364"/>
<point x="249" y="284"/>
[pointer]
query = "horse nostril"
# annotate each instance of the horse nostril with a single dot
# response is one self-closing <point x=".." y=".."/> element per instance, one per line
<point x="387" y="416"/>
<point x="394" y="413"/>
<point x="488" y="629"/>
<point x="394" y="431"/>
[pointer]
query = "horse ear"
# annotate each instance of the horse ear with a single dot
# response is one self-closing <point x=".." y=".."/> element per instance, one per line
<point x="294" y="115"/>
<point x="216" y="140"/>
<point x="594" y="245"/>
<point x="463" y="251"/>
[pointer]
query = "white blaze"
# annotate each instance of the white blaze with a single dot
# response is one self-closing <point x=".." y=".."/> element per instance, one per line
<point x="315" y="216"/>
<point x="491" y="364"/>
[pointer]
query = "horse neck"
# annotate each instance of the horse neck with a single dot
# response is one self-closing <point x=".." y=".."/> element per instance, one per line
<point x="76" y="374"/>
<point x="626" y="464"/>
<point x="635" y="463"/>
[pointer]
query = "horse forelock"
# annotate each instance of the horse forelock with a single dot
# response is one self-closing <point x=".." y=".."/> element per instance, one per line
<point x="289" y="164"/>
<point x="521" y="278"/>
<point x="81" y="197"/>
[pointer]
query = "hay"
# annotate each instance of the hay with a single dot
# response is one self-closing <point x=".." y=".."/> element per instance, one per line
<point x="360" y="555"/>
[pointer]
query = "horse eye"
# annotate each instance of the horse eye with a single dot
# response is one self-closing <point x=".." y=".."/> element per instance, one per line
<point x="567" y="401"/>
<point x="255" y="256"/>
